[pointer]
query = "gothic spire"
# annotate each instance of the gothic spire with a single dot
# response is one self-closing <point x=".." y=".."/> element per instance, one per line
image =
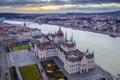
<point x="75" y="42"/>
<point x="24" y="24"/>
<point x="71" y="39"/>
<point x="87" y="50"/>
<point x="65" y="36"/>
<point x="59" y="28"/>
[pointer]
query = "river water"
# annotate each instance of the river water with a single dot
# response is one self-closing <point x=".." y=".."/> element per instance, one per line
<point x="106" y="48"/>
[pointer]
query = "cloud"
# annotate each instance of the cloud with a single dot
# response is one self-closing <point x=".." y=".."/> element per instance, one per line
<point x="69" y="6"/>
<point x="58" y="5"/>
<point x="48" y="7"/>
<point x="5" y="7"/>
<point x="46" y="2"/>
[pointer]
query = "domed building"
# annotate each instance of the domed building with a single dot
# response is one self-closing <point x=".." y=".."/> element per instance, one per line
<point x="59" y="33"/>
<point x="57" y="37"/>
<point x="73" y="59"/>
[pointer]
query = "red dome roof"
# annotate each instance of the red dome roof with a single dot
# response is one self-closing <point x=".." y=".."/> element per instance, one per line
<point x="59" y="33"/>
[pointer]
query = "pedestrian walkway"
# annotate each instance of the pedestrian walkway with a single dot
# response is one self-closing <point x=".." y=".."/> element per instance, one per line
<point x="105" y="73"/>
<point x="42" y="71"/>
<point x="18" y="73"/>
<point x="3" y="63"/>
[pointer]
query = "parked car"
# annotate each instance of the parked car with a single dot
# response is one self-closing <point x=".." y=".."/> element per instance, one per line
<point x="6" y="74"/>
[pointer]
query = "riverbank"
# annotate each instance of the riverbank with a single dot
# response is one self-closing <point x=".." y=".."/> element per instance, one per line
<point x="95" y="31"/>
<point x="101" y="32"/>
<point x="104" y="46"/>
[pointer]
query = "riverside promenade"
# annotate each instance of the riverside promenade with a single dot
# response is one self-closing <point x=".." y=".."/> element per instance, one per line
<point x="94" y="74"/>
<point x="108" y="75"/>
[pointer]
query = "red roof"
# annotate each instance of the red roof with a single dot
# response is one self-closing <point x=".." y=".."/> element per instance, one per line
<point x="68" y="45"/>
<point x="77" y="53"/>
<point x="46" y="43"/>
<point x="90" y="56"/>
<point x="59" y="34"/>
<point x="2" y="30"/>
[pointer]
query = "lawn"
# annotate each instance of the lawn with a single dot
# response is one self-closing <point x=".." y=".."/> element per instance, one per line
<point x="30" y="72"/>
<point x="20" y="47"/>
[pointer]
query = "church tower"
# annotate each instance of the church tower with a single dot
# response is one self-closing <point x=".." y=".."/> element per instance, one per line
<point x="24" y="25"/>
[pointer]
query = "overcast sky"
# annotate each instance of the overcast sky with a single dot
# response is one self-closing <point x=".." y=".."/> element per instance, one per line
<point x="62" y="6"/>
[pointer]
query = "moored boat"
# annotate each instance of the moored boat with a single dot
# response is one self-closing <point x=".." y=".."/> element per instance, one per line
<point x="113" y="35"/>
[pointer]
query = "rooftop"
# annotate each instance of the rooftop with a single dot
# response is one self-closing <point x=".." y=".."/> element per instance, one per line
<point x="46" y="45"/>
<point x="74" y="56"/>
<point x="68" y="44"/>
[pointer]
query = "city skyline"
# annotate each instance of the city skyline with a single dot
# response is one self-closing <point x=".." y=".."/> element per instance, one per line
<point x="59" y="6"/>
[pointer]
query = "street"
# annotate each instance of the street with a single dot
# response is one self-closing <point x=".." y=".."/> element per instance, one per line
<point x="3" y="63"/>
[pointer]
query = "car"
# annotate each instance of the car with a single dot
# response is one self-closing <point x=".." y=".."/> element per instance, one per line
<point x="6" y="74"/>
<point x="41" y="70"/>
<point x="0" y="70"/>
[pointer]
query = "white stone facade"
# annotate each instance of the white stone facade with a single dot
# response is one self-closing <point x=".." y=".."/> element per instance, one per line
<point x="74" y="60"/>
<point x="36" y="32"/>
<point x="71" y="67"/>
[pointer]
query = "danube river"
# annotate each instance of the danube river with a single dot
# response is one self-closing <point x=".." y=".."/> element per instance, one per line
<point x="106" y="48"/>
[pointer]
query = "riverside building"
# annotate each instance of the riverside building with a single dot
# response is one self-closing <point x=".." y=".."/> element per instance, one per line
<point x="58" y="45"/>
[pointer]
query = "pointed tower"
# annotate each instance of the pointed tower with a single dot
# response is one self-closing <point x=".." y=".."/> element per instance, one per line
<point x="35" y="46"/>
<point x="93" y="53"/>
<point x="65" y="36"/>
<point x="75" y="42"/>
<point x="59" y="28"/>
<point x="24" y="24"/>
<point x="2" y="21"/>
<point x="87" y="50"/>
<point x="71" y="39"/>
<point x="49" y="33"/>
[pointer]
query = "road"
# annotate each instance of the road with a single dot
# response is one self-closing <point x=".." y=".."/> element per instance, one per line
<point x="3" y="63"/>
<point x="105" y="73"/>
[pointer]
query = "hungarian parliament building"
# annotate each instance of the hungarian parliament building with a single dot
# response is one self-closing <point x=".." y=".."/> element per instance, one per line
<point x="57" y="44"/>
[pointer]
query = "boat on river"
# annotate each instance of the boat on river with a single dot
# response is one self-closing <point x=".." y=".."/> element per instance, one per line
<point x="113" y="35"/>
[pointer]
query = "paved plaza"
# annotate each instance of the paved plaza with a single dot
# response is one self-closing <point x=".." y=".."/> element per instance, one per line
<point x="23" y="58"/>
